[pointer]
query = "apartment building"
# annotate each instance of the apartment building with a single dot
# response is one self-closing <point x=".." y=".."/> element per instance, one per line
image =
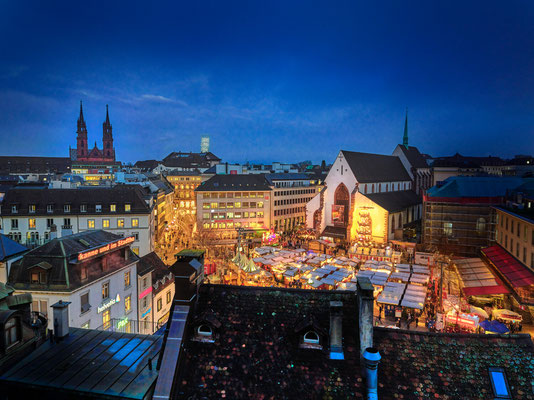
<point x="185" y="183"/>
<point x="93" y="270"/>
<point x="290" y="194"/>
<point x="226" y="203"/>
<point x="33" y="216"/>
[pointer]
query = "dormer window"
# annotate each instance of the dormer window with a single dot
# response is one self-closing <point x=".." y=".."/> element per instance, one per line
<point x="127" y="207"/>
<point x="204" y="330"/>
<point x="50" y="208"/>
<point x="66" y="208"/>
<point x="98" y="208"/>
<point x="39" y="277"/>
<point x="311" y="337"/>
<point x="83" y="208"/>
<point x="113" y="208"/>
<point x="32" y="209"/>
<point x="14" y="209"/>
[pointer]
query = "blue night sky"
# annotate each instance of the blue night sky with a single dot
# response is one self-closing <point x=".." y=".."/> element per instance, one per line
<point x="268" y="80"/>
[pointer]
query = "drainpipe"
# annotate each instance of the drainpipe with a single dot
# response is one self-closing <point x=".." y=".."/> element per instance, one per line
<point x="371" y="358"/>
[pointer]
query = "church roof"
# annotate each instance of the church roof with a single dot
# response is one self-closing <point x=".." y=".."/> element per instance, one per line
<point x="395" y="201"/>
<point x="414" y="157"/>
<point x="370" y="168"/>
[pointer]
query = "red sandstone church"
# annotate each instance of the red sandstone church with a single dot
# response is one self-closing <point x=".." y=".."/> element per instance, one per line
<point x="96" y="155"/>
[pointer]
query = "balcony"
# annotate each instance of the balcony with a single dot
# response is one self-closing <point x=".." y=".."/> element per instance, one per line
<point x="66" y="226"/>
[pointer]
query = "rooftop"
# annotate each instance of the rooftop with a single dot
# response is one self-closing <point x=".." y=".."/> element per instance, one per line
<point x="395" y="201"/>
<point x="369" y="168"/>
<point x="90" y="363"/>
<point x="475" y="186"/>
<point x="9" y="248"/>
<point x="237" y="182"/>
<point x="414" y="157"/>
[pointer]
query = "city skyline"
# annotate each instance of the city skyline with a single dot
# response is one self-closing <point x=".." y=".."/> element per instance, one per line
<point x="269" y="83"/>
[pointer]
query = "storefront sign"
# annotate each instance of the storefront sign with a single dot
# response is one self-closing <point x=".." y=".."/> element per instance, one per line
<point x="105" y="248"/>
<point x="122" y="323"/>
<point x="145" y="313"/>
<point x="108" y="303"/>
<point x="145" y="292"/>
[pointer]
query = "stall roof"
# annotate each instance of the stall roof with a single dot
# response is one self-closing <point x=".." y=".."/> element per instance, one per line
<point x="477" y="278"/>
<point x="516" y="273"/>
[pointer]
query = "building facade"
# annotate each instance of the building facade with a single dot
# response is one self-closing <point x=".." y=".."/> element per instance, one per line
<point x="95" y="271"/>
<point x="34" y="216"/>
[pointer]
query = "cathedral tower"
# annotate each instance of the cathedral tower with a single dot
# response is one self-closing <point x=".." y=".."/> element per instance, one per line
<point x="107" y="138"/>
<point x="82" y="136"/>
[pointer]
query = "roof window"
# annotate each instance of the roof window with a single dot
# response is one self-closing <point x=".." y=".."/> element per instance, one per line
<point x="311" y="337"/>
<point x="499" y="383"/>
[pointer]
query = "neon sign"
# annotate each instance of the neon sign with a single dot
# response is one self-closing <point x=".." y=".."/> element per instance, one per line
<point x="122" y="323"/>
<point x="105" y="248"/>
<point x="108" y="303"/>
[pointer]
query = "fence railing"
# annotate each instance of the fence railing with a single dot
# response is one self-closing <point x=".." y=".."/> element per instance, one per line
<point x="126" y="325"/>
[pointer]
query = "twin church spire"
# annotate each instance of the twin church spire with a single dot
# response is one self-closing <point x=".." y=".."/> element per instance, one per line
<point x="83" y="153"/>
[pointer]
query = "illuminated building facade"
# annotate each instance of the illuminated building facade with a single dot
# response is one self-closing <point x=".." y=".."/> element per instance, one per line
<point x="95" y="271"/>
<point x="366" y="196"/>
<point x="185" y="183"/>
<point x="34" y="216"/>
<point x="226" y="203"/>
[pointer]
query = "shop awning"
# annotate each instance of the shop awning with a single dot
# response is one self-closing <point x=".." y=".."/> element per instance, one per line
<point x="516" y="273"/>
<point x="477" y="278"/>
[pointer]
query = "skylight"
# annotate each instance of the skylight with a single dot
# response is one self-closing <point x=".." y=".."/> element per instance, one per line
<point x="499" y="383"/>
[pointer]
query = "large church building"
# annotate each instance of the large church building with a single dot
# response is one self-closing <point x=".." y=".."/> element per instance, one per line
<point x="95" y="155"/>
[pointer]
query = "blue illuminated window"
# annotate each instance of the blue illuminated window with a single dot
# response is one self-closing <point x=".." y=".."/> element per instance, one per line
<point x="499" y="383"/>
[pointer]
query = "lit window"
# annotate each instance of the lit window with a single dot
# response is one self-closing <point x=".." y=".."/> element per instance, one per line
<point x="32" y="208"/>
<point x="499" y="383"/>
<point x="105" y="223"/>
<point x="160" y="304"/>
<point x="127" y="207"/>
<point x="106" y="318"/>
<point x="127" y="279"/>
<point x="135" y="250"/>
<point x="31" y="223"/>
<point x="128" y="304"/>
<point x="447" y="228"/>
<point x="105" y="290"/>
<point x="168" y="297"/>
<point x="90" y="224"/>
<point x="113" y="208"/>
<point x="120" y="223"/>
<point x="135" y="222"/>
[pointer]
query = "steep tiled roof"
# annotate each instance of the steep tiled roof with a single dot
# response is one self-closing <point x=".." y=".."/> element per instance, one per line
<point x="42" y="197"/>
<point x="147" y="165"/>
<point x="414" y="157"/>
<point x="236" y="183"/>
<point x="256" y="353"/>
<point x="368" y="167"/>
<point x="419" y="365"/>
<point x="395" y="201"/>
<point x="189" y="160"/>
<point x="11" y="164"/>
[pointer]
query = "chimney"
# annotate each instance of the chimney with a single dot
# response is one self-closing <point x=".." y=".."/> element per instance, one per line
<point x="61" y="319"/>
<point x="336" y="334"/>
<point x="365" y="308"/>
<point x="371" y="358"/>
<point x="188" y="271"/>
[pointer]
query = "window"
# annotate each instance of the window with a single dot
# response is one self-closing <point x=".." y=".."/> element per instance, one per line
<point x="86" y="325"/>
<point x="49" y="222"/>
<point x="40" y="306"/>
<point x="525" y="233"/>
<point x="83" y="208"/>
<point x="144" y="302"/>
<point x="105" y="290"/>
<point x="83" y="273"/>
<point x="14" y="224"/>
<point x="447" y="228"/>
<point x="84" y="301"/>
<point x="135" y="222"/>
<point x="98" y="208"/>
<point x="481" y="225"/>
<point x="213" y="205"/>
<point x="160" y="304"/>
<point x="238" y="204"/>
<point x="127" y="281"/>
<point x="113" y="207"/>
<point x="38" y="277"/>
<point x="135" y="250"/>
<point x="11" y="332"/>
<point x="66" y="223"/>
<point x="32" y="209"/>
<point x="106" y="318"/>
<point x="66" y="208"/>
<point x="128" y="304"/>
<point x="31" y="223"/>
<point x="14" y="209"/>
<point x="499" y="383"/>
<point x="259" y="204"/>
<point x="311" y="337"/>
<point x="127" y="207"/>
<point x="168" y="297"/>
<point x="105" y="223"/>
<point x="90" y="224"/>
<point x="120" y="223"/>
<point x="136" y="236"/>
<point x="50" y="208"/>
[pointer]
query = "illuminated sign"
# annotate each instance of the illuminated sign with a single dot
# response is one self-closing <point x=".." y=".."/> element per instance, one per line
<point x="105" y="248"/>
<point x="108" y="303"/>
<point x="122" y="323"/>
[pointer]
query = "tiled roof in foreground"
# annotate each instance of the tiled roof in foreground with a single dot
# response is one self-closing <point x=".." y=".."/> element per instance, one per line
<point x="256" y="354"/>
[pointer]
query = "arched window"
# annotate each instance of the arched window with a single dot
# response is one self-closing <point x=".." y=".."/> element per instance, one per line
<point x="311" y="337"/>
<point x="204" y="330"/>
